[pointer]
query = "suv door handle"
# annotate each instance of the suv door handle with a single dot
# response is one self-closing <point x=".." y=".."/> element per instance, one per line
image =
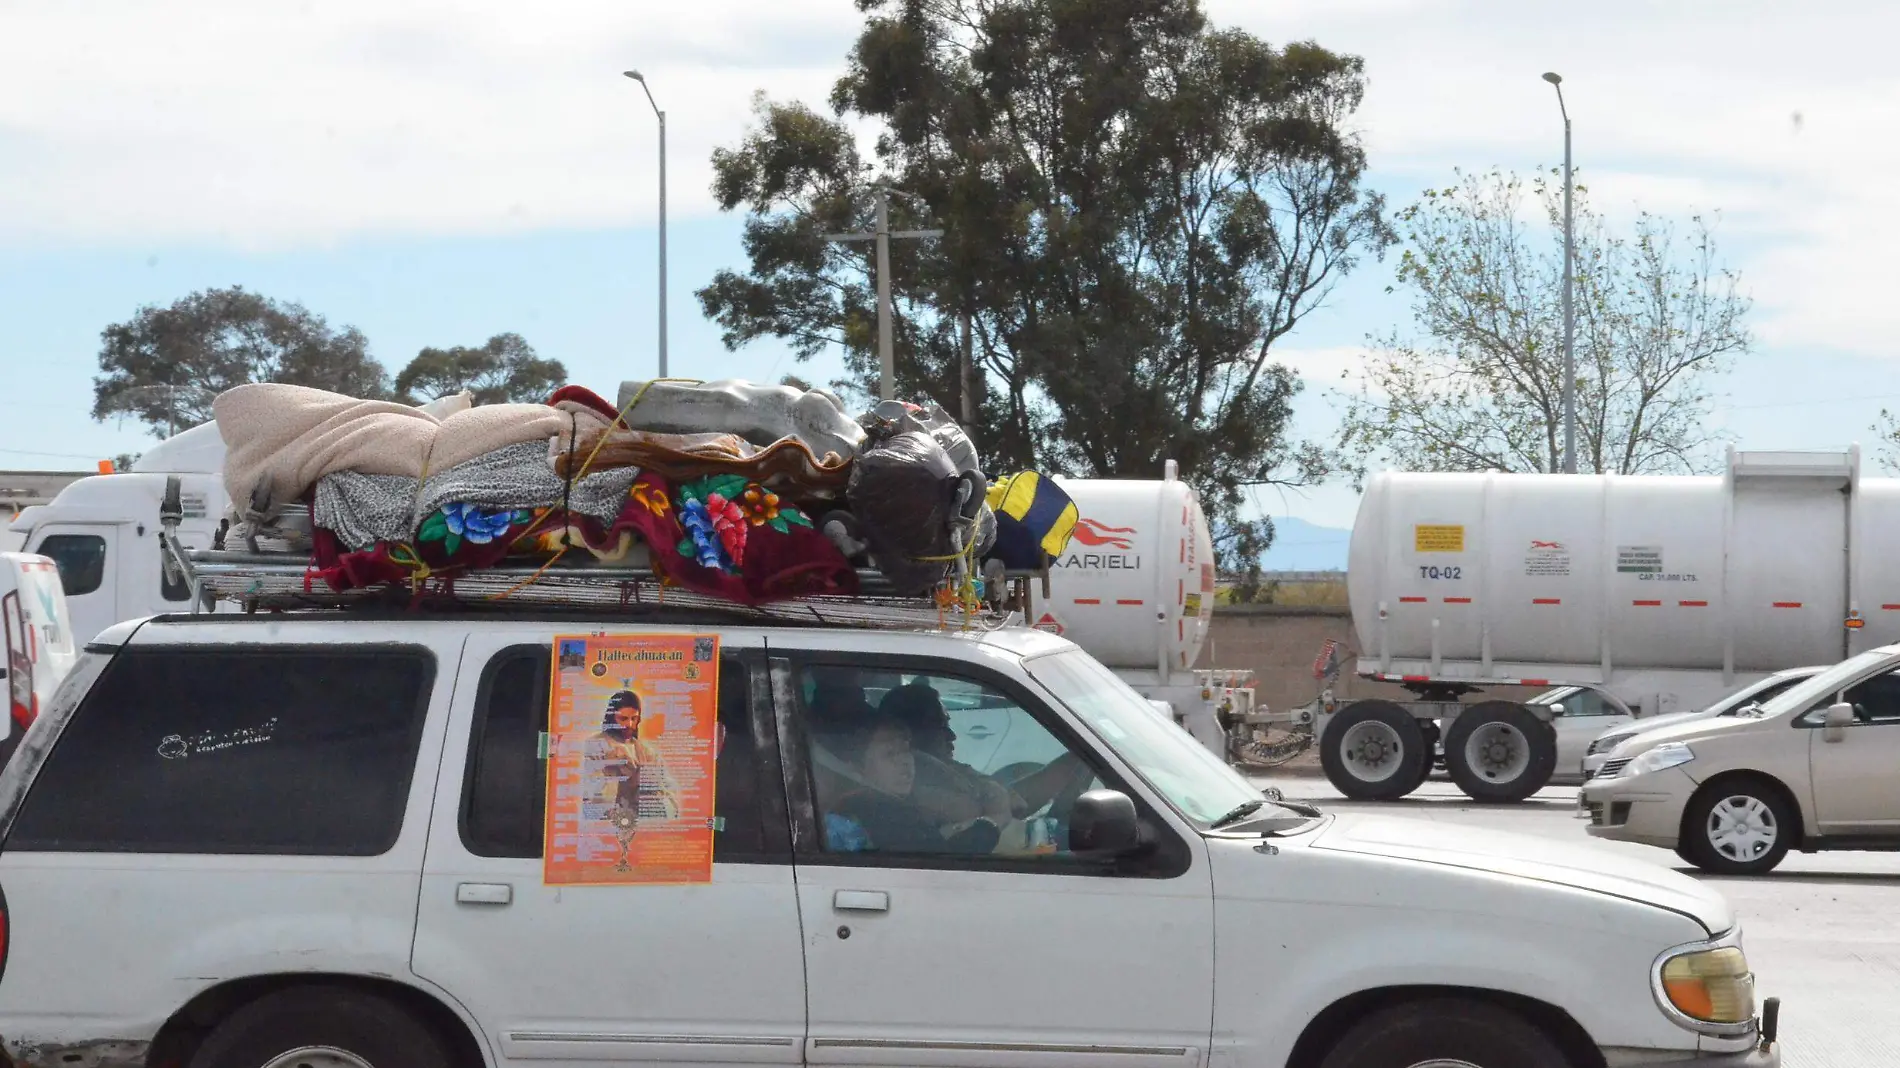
<point x="861" y="901"/>
<point x="484" y="894"/>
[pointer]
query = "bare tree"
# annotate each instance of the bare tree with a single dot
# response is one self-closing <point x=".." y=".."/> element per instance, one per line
<point x="1481" y="387"/>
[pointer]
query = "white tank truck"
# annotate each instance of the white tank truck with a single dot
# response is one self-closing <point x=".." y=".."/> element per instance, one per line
<point x="1661" y="592"/>
<point x="1136" y="589"/>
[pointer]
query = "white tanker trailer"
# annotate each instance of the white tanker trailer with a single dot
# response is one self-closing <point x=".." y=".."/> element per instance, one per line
<point x="1135" y="588"/>
<point x="1664" y="592"/>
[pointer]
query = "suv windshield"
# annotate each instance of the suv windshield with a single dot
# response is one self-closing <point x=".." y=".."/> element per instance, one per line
<point x="1194" y="780"/>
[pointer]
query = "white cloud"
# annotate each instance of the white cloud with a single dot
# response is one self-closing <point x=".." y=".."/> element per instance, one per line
<point x="263" y="124"/>
<point x="1339" y="367"/>
<point x="274" y="124"/>
<point x="1682" y="106"/>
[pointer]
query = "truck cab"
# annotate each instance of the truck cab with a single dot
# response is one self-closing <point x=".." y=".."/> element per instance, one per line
<point x="100" y="534"/>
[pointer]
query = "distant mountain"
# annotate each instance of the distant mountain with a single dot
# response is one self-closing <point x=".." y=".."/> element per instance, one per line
<point x="1302" y="546"/>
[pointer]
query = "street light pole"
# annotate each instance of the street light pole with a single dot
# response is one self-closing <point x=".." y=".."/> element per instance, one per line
<point x="638" y="77"/>
<point x="1570" y="318"/>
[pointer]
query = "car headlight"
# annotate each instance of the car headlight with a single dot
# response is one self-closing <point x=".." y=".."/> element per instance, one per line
<point x="1709" y="988"/>
<point x="1604" y="745"/>
<point x="1662" y="757"/>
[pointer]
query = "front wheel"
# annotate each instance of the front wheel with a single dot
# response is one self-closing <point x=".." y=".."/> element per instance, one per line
<point x="321" y="1027"/>
<point x="1737" y="827"/>
<point x="1446" y="1033"/>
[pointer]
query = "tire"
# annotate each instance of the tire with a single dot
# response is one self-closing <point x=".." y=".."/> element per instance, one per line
<point x="1499" y="752"/>
<point x="325" y="1020"/>
<point x="1446" y="1031"/>
<point x="1388" y="755"/>
<point x="1748" y="807"/>
<point x="1424" y="775"/>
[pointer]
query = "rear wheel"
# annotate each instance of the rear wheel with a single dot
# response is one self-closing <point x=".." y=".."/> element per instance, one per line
<point x="321" y="1027"/>
<point x="1374" y="751"/>
<point x="1499" y="751"/>
<point x="1447" y="1033"/>
<point x="1739" y="826"/>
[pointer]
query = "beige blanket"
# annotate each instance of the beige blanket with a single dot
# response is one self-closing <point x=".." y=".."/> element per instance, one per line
<point x="281" y="439"/>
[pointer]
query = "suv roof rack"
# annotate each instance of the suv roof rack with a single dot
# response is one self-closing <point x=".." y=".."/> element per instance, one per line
<point x="264" y="581"/>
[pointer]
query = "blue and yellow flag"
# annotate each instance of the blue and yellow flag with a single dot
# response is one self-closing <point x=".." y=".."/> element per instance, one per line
<point x="1033" y="516"/>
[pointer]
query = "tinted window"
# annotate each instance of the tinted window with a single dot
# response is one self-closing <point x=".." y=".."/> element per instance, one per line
<point x="305" y="751"/>
<point x="81" y="559"/>
<point x="505" y="800"/>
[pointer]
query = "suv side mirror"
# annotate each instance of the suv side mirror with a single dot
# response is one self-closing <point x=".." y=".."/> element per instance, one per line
<point x="1102" y="824"/>
<point x="1839" y="718"/>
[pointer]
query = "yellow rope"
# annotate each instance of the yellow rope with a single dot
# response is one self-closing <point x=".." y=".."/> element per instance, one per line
<point x="619" y="422"/>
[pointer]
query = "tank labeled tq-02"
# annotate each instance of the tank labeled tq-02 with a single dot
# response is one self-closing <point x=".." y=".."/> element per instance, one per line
<point x="1664" y="592"/>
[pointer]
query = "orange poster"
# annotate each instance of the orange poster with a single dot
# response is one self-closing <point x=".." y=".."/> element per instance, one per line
<point x="632" y="747"/>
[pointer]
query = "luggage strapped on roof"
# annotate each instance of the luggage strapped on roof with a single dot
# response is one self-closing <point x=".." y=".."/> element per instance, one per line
<point x="263" y="581"/>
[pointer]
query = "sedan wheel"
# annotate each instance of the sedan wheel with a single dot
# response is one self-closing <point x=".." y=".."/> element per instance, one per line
<point x="1738" y="826"/>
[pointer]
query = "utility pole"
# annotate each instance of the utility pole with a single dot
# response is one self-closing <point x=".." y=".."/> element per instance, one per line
<point x="964" y="384"/>
<point x="887" y="359"/>
<point x="1570" y="318"/>
<point x="170" y="393"/>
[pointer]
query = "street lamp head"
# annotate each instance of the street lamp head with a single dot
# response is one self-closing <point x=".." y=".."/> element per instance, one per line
<point x="1550" y="76"/>
<point x="638" y="77"/>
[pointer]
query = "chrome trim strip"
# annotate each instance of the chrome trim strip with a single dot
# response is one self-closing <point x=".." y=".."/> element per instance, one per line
<point x="650" y="1040"/>
<point x="997" y="1047"/>
<point x="1732" y="937"/>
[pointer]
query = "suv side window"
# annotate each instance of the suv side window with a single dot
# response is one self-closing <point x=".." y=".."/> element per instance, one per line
<point x="926" y="763"/>
<point x="279" y="750"/>
<point x="81" y="559"/>
<point x="504" y="794"/>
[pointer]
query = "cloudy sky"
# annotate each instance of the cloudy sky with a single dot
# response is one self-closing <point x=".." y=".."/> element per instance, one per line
<point x="435" y="172"/>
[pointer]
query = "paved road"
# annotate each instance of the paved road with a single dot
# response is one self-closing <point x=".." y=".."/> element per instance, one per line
<point x="1823" y="930"/>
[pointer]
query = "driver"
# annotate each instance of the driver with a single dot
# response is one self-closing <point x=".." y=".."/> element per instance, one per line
<point x="960" y="791"/>
<point x="885" y="814"/>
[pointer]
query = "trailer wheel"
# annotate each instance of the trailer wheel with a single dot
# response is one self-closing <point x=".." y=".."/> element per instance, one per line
<point x="1374" y="751"/>
<point x="1498" y="751"/>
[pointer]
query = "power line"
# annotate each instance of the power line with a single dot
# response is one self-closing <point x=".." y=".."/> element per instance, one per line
<point x="57" y="455"/>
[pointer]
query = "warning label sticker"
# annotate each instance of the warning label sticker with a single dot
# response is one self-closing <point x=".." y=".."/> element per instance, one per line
<point x="1639" y="559"/>
<point x="1547" y="559"/>
<point x="1438" y="538"/>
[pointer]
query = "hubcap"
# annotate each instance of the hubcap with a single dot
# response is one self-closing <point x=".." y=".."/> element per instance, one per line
<point x="1742" y="828"/>
<point x="1445" y="1062"/>
<point x="1372" y="751"/>
<point x="318" y="1057"/>
<point x="1498" y="752"/>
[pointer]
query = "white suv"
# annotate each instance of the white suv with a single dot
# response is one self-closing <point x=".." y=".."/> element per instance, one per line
<point x="314" y="840"/>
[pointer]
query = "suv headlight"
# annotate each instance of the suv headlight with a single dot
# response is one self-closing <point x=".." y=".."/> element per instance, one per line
<point x="1707" y="988"/>
<point x="1661" y="758"/>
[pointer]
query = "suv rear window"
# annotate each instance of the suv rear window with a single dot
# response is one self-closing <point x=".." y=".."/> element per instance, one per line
<point x="305" y="751"/>
<point x="504" y="802"/>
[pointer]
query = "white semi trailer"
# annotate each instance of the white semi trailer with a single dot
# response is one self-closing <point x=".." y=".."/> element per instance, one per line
<point x="1663" y="591"/>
